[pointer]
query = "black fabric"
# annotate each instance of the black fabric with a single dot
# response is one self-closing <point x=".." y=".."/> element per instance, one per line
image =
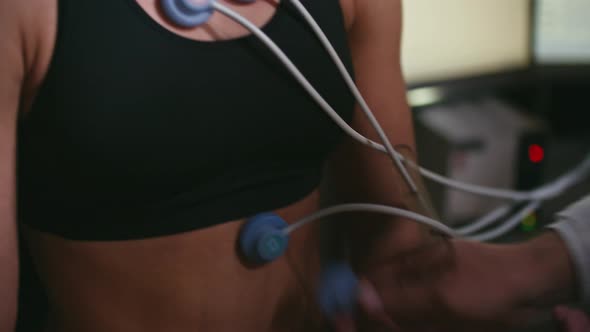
<point x="137" y="132"/>
<point x="32" y="299"/>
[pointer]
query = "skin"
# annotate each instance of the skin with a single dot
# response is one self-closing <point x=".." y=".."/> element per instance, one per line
<point x="572" y="320"/>
<point x="13" y="73"/>
<point x="472" y="286"/>
<point x="196" y="281"/>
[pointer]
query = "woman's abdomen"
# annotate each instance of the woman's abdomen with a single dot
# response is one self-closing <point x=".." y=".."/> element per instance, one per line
<point x="195" y="281"/>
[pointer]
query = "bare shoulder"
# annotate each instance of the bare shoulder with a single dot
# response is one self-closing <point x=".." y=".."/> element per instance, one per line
<point x="28" y="29"/>
<point x="376" y="6"/>
<point x="23" y="31"/>
<point x="11" y="63"/>
<point x="376" y="16"/>
<point x="20" y="51"/>
<point x="347" y="7"/>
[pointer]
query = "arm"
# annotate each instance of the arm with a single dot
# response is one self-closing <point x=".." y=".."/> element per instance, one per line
<point x="572" y="320"/>
<point x="11" y="78"/>
<point x="360" y="174"/>
<point x="555" y="266"/>
<point x="484" y="287"/>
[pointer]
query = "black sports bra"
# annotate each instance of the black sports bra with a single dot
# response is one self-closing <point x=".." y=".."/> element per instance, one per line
<point x="137" y="132"/>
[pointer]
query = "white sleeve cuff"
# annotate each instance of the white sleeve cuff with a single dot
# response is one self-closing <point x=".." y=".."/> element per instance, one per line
<point x="573" y="226"/>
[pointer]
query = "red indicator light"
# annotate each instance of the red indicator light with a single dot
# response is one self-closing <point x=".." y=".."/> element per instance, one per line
<point x="536" y="153"/>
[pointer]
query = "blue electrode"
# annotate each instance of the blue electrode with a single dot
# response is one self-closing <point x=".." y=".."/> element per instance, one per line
<point x="262" y="239"/>
<point x="188" y="13"/>
<point x="338" y="290"/>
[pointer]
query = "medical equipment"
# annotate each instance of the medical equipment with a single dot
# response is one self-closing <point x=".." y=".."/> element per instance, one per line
<point x="561" y="32"/>
<point x="265" y="237"/>
<point x="462" y="138"/>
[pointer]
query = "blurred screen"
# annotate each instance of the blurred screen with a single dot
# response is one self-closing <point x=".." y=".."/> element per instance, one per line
<point x="562" y="31"/>
<point x="448" y="39"/>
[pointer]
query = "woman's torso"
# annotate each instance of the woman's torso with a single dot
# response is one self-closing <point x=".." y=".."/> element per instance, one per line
<point x="189" y="282"/>
<point x="192" y="280"/>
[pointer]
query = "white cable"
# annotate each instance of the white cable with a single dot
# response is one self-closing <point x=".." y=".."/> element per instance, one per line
<point x="485" y="221"/>
<point x="370" y="208"/>
<point x="365" y="107"/>
<point x="563" y="182"/>
<point x="508" y="225"/>
<point x="547" y="191"/>
<point x="298" y="76"/>
<point x="550" y="190"/>
<point x="355" y="91"/>
<point x="316" y="96"/>
<point x="358" y="96"/>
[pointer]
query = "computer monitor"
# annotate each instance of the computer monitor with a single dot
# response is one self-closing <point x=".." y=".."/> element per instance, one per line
<point x="562" y="32"/>
<point x="448" y="39"/>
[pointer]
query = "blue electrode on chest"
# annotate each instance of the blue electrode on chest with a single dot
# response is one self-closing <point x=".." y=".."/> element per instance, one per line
<point x="264" y="237"/>
<point x="190" y="13"/>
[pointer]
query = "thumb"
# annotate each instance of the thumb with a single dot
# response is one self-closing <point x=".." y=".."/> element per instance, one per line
<point x="344" y="323"/>
<point x="371" y="304"/>
<point x="572" y="320"/>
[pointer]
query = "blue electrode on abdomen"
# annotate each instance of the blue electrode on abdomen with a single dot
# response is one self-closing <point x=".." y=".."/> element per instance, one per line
<point x="262" y="238"/>
<point x="265" y="237"/>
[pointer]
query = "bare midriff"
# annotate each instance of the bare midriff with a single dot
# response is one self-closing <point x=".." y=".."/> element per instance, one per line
<point x="194" y="281"/>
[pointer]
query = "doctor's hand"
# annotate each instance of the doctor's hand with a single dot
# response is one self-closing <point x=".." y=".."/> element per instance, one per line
<point x="572" y="320"/>
<point x="458" y="285"/>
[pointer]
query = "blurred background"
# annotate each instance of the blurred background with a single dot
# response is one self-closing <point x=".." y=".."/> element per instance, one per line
<point x="500" y="92"/>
